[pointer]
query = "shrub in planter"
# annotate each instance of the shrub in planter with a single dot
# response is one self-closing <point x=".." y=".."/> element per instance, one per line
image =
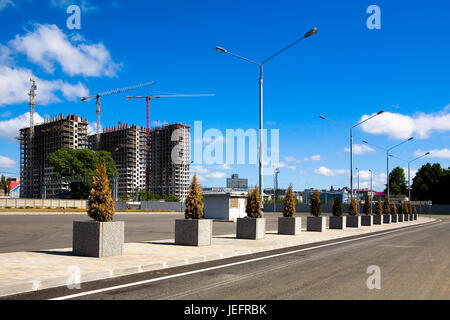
<point x="379" y="207"/>
<point x="400" y="213"/>
<point x="288" y="224"/>
<point x="414" y="212"/>
<point x="253" y="226"/>
<point x="315" y="222"/>
<point x="405" y="211"/>
<point x="337" y="220"/>
<point x="386" y="205"/>
<point x="101" y="237"/>
<point x="367" y="209"/>
<point x="394" y="213"/>
<point x="193" y="230"/>
<point x="353" y="219"/>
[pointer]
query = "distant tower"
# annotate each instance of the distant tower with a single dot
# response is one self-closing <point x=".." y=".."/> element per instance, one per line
<point x="32" y="95"/>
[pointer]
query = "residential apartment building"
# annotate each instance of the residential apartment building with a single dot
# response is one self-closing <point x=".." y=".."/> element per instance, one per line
<point x="36" y="175"/>
<point x="128" y="148"/>
<point x="169" y="160"/>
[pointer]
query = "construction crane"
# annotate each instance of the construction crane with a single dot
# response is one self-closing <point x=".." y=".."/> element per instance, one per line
<point x="148" y="98"/>
<point x="107" y="93"/>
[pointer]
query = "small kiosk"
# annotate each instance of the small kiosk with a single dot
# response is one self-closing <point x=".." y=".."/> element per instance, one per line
<point x="224" y="205"/>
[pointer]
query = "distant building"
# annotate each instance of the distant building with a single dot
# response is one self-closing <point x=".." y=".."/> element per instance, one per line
<point x="237" y="183"/>
<point x="281" y="193"/>
<point x="36" y="175"/>
<point x="128" y="148"/>
<point x="169" y="158"/>
<point x="327" y="196"/>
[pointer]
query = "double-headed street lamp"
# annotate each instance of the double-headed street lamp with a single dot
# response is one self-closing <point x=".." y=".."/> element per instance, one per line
<point x="387" y="157"/>
<point x="260" y="64"/>
<point x="351" y="142"/>
<point x="409" y="170"/>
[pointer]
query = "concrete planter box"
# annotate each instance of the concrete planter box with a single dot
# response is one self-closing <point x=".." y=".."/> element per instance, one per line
<point x="251" y="228"/>
<point x="406" y="217"/>
<point x="289" y="225"/>
<point x="338" y="222"/>
<point x="400" y="217"/>
<point x="411" y="217"/>
<point x="98" y="239"/>
<point x="367" y="221"/>
<point x="316" y="224"/>
<point x="394" y="218"/>
<point x="193" y="232"/>
<point x="353" y="221"/>
<point x="378" y="219"/>
<point x="387" y="218"/>
<point x="415" y="216"/>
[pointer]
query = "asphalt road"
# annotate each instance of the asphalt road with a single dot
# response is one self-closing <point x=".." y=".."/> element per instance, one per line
<point x="414" y="263"/>
<point x="39" y="232"/>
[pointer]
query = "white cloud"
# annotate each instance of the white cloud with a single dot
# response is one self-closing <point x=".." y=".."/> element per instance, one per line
<point x="9" y="129"/>
<point x="436" y="153"/>
<point x="324" y="171"/>
<point x="7" y="163"/>
<point x="206" y="173"/>
<point x="15" y="85"/>
<point x="401" y="126"/>
<point x="378" y="180"/>
<point x="285" y="165"/>
<point x="47" y="45"/>
<point x="224" y="167"/>
<point x="360" y="149"/>
<point x="5" y="3"/>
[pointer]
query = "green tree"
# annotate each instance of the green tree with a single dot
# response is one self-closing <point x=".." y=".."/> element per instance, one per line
<point x="386" y="205"/>
<point x="100" y="202"/>
<point x="431" y="183"/>
<point x="397" y="182"/>
<point x="379" y="207"/>
<point x="194" y="203"/>
<point x="337" y="207"/>
<point x="289" y="203"/>
<point x="147" y="195"/>
<point x="4" y="184"/>
<point x="253" y="205"/>
<point x="315" y="208"/>
<point x="79" y="165"/>
<point x="172" y="199"/>
<point x="125" y="197"/>
<point x="367" y="209"/>
<point x="353" y="207"/>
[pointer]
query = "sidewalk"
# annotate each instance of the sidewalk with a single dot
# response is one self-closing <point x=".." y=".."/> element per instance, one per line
<point x="29" y="271"/>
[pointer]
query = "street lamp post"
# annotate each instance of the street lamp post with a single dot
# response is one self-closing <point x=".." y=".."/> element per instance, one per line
<point x="409" y="170"/>
<point x="387" y="158"/>
<point x="222" y="50"/>
<point x="351" y="143"/>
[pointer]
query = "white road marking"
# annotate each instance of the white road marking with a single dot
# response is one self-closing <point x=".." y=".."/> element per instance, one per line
<point x="132" y="284"/>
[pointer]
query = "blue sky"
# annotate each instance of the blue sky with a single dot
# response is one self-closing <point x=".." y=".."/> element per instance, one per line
<point x="344" y="72"/>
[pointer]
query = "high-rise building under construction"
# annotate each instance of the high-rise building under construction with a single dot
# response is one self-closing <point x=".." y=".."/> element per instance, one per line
<point x="169" y="160"/>
<point x="37" y="176"/>
<point x="128" y="148"/>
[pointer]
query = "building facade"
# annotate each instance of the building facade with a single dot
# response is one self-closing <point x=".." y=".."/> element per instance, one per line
<point x="128" y="148"/>
<point x="36" y="175"/>
<point x="169" y="159"/>
<point x="237" y="183"/>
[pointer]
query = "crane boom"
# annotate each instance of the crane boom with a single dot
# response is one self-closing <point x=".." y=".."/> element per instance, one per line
<point x="107" y="93"/>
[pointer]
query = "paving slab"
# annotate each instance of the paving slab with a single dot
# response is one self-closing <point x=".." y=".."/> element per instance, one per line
<point x="30" y="271"/>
